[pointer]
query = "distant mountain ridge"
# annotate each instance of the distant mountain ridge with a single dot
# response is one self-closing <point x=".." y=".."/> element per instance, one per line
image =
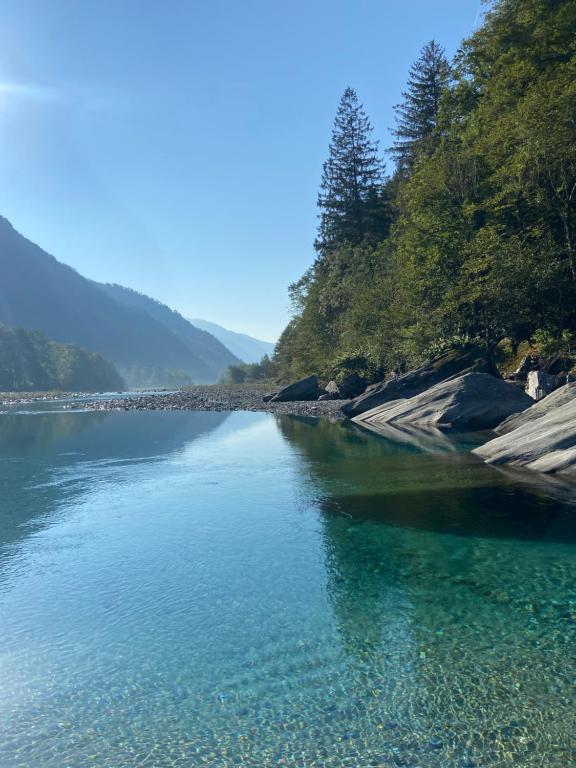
<point x="245" y="347"/>
<point x="205" y="346"/>
<point x="132" y="331"/>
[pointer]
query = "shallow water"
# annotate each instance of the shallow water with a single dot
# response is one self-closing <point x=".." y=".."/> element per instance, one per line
<point x="190" y="589"/>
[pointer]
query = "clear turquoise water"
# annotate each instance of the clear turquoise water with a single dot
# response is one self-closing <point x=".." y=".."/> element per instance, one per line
<point x="207" y="589"/>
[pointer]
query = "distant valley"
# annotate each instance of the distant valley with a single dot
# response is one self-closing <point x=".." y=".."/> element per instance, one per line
<point x="149" y="344"/>
<point x="247" y="348"/>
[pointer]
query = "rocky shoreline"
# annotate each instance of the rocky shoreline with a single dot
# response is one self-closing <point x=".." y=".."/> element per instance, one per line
<point x="214" y="398"/>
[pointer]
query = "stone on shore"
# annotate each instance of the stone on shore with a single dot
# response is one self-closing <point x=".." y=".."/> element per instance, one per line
<point x="332" y="391"/>
<point x="540" y="384"/>
<point x="473" y="401"/>
<point x="545" y="443"/>
<point x="414" y="382"/>
<point x="304" y="389"/>
<point x="351" y="386"/>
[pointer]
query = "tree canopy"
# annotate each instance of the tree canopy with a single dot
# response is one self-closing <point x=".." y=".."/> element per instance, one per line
<point x="476" y="241"/>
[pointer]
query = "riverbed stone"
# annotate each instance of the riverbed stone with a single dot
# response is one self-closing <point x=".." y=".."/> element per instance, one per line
<point x="545" y="443"/>
<point x="540" y="384"/>
<point x="351" y="386"/>
<point x="559" y="397"/>
<point x="473" y="401"/>
<point x="303" y="389"/>
<point x="407" y="385"/>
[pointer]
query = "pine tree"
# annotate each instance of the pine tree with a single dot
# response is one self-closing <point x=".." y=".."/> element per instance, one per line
<point x="417" y="116"/>
<point x="351" y="200"/>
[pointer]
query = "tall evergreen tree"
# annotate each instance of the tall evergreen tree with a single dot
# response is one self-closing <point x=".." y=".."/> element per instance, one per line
<point x="351" y="200"/>
<point x="417" y="115"/>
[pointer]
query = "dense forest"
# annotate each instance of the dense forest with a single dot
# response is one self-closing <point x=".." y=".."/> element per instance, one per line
<point x="471" y="239"/>
<point x="30" y="362"/>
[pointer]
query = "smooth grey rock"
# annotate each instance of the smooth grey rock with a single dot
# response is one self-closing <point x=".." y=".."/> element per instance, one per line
<point x="326" y="396"/>
<point x="544" y="444"/>
<point x="473" y="401"/>
<point x="268" y="397"/>
<point x="540" y="384"/>
<point x="414" y="382"/>
<point x="304" y="389"/>
<point x="563" y="395"/>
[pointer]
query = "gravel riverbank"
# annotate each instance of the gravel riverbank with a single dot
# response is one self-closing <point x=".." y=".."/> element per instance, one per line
<point x="213" y="398"/>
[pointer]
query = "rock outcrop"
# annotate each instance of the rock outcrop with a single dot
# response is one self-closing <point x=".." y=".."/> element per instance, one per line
<point x="544" y="443"/>
<point x="540" y="384"/>
<point x="352" y="385"/>
<point x="473" y="401"/>
<point x="565" y="394"/>
<point x="414" y="382"/>
<point x="304" y="389"/>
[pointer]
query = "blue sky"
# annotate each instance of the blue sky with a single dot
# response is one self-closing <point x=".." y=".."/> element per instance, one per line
<point x="176" y="146"/>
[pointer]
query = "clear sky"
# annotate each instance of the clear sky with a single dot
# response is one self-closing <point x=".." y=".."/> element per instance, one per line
<point x="176" y="146"/>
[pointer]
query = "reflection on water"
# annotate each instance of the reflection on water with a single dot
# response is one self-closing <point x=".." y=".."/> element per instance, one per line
<point x="189" y="589"/>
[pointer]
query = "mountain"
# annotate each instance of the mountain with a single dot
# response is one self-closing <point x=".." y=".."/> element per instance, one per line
<point x="30" y="362"/>
<point x="37" y="292"/>
<point x="247" y="348"/>
<point x="204" y="346"/>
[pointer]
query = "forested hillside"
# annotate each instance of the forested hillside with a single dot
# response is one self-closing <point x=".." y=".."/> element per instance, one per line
<point x="30" y="362"/>
<point x="134" y="332"/>
<point x="471" y="239"/>
<point x="203" y="346"/>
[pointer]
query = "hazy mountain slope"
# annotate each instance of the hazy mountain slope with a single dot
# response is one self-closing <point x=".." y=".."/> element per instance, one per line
<point x="37" y="292"/>
<point x="30" y="362"/>
<point x="247" y="348"/>
<point x="200" y="343"/>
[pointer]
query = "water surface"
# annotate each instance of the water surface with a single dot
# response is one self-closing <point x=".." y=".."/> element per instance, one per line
<point x="191" y="589"/>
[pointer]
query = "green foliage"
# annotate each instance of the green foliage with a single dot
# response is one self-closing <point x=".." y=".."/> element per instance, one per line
<point x="351" y="198"/>
<point x="30" y="362"/>
<point x="249" y="373"/>
<point x="416" y="131"/>
<point x="482" y="246"/>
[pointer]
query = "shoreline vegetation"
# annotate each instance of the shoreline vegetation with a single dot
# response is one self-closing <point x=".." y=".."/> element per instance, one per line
<point x="470" y="240"/>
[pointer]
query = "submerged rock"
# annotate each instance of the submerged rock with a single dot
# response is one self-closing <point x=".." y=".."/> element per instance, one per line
<point x="304" y="389"/>
<point x="414" y="382"/>
<point x="544" y="443"/>
<point x="473" y="401"/>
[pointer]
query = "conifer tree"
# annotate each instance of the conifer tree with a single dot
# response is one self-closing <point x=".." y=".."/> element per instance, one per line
<point x="417" y="115"/>
<point x="351" y="198"/>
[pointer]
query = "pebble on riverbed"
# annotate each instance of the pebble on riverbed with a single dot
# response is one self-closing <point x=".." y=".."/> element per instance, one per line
<point x="214" y="398"/>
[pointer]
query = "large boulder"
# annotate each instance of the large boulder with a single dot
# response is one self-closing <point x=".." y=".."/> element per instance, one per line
<point x="469" y="402"/>
<point x="304" y="389"/>
<point x="540" y="384"/>
<point x="351" y="386"/>
<point x="544" y="443"/>
<point x="565" y="394"/>
<point x="414" y="382"/>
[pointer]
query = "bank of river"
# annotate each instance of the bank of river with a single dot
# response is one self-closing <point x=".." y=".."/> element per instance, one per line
<point x="200" y="398"/>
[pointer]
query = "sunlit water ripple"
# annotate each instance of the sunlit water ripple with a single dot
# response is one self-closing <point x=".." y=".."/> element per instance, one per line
<point x="190" y="589"/>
